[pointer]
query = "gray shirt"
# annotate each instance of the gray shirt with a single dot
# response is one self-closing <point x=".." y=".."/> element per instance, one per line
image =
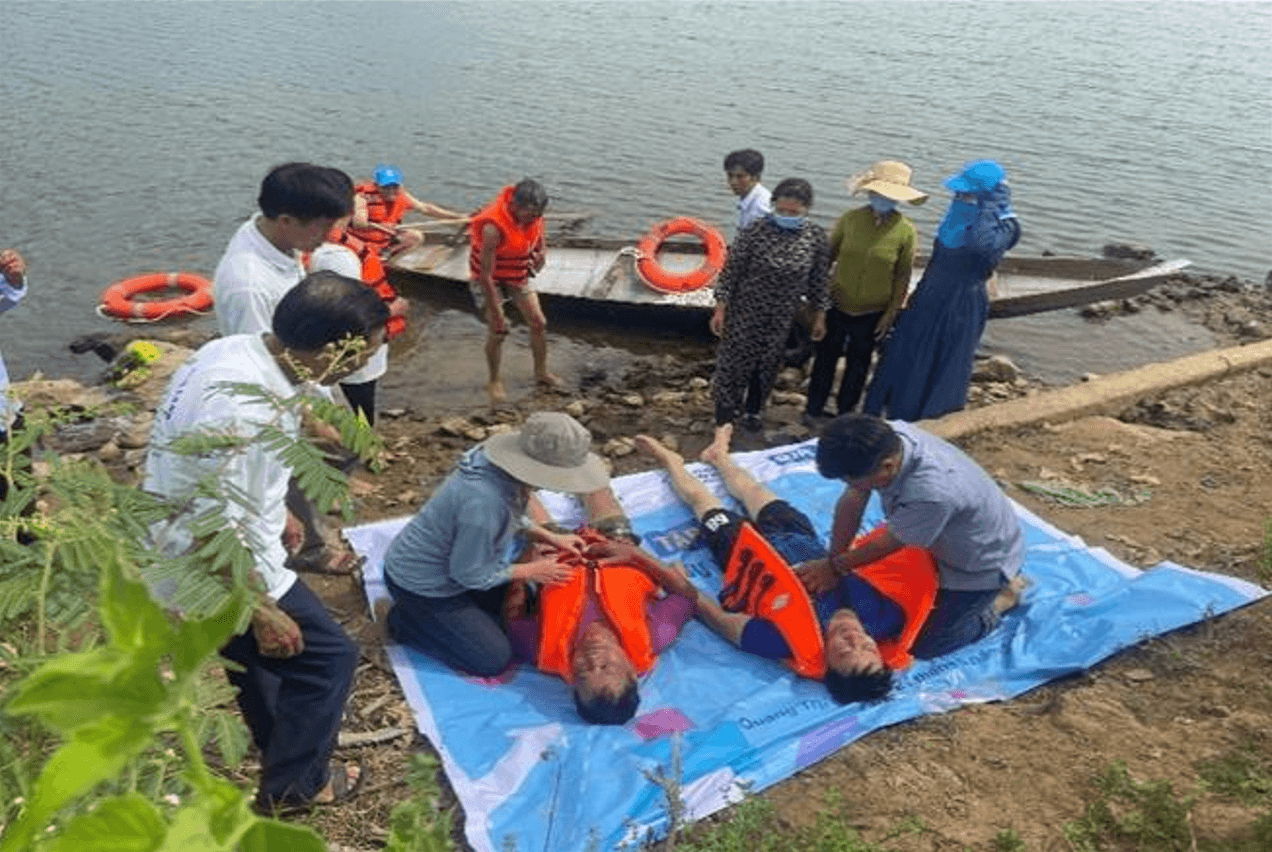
<point x="464" y="536"/>
<point x="944" y="501"/>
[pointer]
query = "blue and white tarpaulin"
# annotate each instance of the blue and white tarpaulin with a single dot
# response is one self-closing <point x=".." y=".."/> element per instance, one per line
<point x="526" y="768"/>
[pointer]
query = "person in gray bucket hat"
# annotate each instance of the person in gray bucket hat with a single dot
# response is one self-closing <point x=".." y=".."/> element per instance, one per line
<point x="448" y="570"/>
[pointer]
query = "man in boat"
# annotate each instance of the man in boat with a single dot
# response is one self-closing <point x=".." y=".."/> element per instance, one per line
<point x="853" y="636"/>
<point x="295" y="664"/>
<point x="507" y="249"/>
<point x="378" y="208"/>
<point x="934" y="497"/>
<point x="742" y="170"/>
<point x="604" y="628"/>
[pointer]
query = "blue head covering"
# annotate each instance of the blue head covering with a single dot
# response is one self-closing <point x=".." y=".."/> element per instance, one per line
<point x="388" y="176"/>
<point x="983" y="179"/>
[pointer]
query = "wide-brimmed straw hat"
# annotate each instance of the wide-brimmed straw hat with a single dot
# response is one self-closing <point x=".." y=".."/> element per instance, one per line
<point x="888" y="178"/>
<point x="553" y="451"/>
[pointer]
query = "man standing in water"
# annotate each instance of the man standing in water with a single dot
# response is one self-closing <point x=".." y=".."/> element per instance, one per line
<point x="508" y="248"/>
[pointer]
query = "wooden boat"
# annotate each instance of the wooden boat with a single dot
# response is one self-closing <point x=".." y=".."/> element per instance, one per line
<point x="598" y="278"/>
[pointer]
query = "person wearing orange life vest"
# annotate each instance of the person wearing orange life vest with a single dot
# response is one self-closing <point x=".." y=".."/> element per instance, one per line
<point x="604" y="628"/>
<point x="378" y="208"/>
<point x="853" y="637"/>
<point x="507" y="250"/>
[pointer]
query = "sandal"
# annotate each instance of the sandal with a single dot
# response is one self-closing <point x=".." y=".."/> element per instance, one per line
<point x="347" y="780"/>
<point x="325" y="560"/>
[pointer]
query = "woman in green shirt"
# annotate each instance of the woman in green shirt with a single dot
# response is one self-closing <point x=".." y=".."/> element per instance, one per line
<point x="872" y="249"/>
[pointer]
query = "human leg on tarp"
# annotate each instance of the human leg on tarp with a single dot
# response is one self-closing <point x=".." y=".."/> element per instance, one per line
<point x="462" y="630"/>
<point x="958" y="618"/>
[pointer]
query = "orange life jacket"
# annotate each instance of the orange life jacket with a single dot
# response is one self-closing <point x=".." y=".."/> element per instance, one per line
<point x="908" y="577"/>
<point x="514" y="256"/>
<point x="374" y="275"/>
<point x="758" y="581"/>
<point x="622" y="594"/>
<point x="381" y="211"/>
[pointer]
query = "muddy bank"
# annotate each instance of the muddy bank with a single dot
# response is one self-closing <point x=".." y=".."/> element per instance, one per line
<point x="1203" y="455"/>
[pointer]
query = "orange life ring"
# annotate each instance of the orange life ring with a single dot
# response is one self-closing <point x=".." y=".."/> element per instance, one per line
<point x="119" y="299"/>
<point x="680" y="282"/>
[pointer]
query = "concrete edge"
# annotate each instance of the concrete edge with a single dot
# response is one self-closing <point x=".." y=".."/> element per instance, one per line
<point x="1102" y="393"/>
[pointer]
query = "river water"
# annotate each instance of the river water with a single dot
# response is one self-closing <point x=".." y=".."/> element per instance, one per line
<point x="136" y="134"/>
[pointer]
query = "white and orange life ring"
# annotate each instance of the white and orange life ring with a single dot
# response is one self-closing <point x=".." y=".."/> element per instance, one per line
<point x="666" y="281"/>
<point x="119" y="300"/>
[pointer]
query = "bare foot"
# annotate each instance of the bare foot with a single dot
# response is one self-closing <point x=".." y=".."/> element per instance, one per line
<point x="718" y="449"/>
<point x="548" y="380"/>
<point x="496" y="390"/>
<point x="651" y="447"/>
<point x="1009" y="596"/>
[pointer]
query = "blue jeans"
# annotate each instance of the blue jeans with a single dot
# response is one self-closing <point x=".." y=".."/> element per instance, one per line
<point x="957" y="619"/>
<point x="462" y="630"/>
<point x="294" y="705"/>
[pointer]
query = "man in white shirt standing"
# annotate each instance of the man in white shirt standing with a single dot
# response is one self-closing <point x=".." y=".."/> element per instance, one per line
<point x="742" y="170"/>
<point x="296" y="663"/>
<point x="299" y="203"/>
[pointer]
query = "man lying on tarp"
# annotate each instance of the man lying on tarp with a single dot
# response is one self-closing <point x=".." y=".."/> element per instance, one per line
<point x="605" y="627"/>
<point x="863" y="627"/>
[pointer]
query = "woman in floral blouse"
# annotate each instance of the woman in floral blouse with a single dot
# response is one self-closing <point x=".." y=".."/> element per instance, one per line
<point x="774" y="264"/>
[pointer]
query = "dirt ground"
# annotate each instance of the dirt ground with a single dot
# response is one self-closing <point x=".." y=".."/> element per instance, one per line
<point x="1195" y="467"/>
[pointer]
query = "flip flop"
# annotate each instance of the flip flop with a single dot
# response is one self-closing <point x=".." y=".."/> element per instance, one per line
<point x="325" y="560"/>
<point x="344" y="789"/>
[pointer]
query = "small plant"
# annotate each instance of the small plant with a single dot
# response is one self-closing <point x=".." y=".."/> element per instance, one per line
<point x="1148" y="814"/>
<point x="1243" y="775"/>
<point x="1008" y="840"/>
<point x="109" y="704"/>
<point x="418" y="824"/>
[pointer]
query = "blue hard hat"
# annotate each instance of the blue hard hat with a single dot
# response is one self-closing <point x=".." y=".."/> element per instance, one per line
<point x="388" y="176"/>
<point x="977" y="177"/>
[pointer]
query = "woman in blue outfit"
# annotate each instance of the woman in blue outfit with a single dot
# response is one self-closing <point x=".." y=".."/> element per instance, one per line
<point x="927" y="363"/>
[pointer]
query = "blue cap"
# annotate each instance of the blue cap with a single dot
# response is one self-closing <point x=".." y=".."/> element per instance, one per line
<point x="388" y="176"/>
<point x="977" y="177"/>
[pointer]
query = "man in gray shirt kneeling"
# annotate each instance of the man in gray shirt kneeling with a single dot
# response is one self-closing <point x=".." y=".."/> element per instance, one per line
<point x="934" y="497"/>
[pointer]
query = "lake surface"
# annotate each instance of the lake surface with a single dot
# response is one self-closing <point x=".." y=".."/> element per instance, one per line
<point x="137" y="133"/>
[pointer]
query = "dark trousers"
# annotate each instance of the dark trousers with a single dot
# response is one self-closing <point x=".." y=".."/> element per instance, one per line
<point x="294" y="706"/>
<point x="957" y="619"/>
<point x="361" y="398"/>
<point x="462" y="630"/>
<point x="849" y="336"/>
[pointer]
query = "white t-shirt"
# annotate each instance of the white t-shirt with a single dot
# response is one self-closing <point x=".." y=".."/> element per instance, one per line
<point x="250" y="281"/>
<point x="341" y="260"/>
<point x="754" y="205"/>
<point x="193" y="402"/>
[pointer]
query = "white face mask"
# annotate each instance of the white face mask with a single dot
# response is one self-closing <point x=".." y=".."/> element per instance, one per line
<point x="882" y="205"/>
<point x="789" y="223"/>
